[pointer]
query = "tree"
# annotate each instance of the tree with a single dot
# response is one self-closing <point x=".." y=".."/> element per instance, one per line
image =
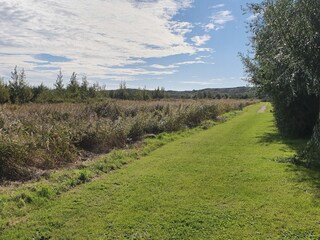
<point x="73" y="87"/>
<point x="122" y="92"/>
<point x="284" y="63"/>
<point x="59" y="82"/>
<point x="278" y="66"/>
<point x="19" y="91"/>
<point x="145" y="94"/>
<point x="14" y="85"/>
<point x="25" y="92"/>
<point x="38" y="90"/>
<point x="94" y="89"/>
<point x="4" y="92"/>
<point x="158" y="93"/>
<point x="84" y="89"/>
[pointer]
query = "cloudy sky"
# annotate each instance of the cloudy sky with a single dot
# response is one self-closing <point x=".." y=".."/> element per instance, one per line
<point x="177" y="44"/>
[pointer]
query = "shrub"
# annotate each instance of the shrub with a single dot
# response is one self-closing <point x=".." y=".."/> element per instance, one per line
<point x="298" y="117"/>
<point x="83" y="177"/>
<point x="109" y="110"/>
<point x="44" y="192"/>
<point x="4" y="93"/>
<point x="13" y="162"/>
<point x="137" y="129"/>
<point x="311" y="154"/>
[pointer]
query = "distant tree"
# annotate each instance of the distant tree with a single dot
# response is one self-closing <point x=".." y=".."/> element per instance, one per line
<point x="163" y="92"/>
<point x="199" y="95"/>
<point x="14" y="85"/>
<point x="137" y="95"/>
<point x="145" y="94"/>
<point x="85" y="83"/>
<point x="94" y="90"/>
<point x="111" y="94"/>
<point x="36" y="91"/>
<point x="43" y="94"/>
<point x="25" y="91"/>
<point x="204" y="94"/>
<point x="19" y="91"/>
<point x="122" y="92"/>
<point x="84" y="89"/>
<point x="4" y="92"/>
<point x="158" y="93"/>
<point x="73" y="88"/>
<point x="59" y="82"/>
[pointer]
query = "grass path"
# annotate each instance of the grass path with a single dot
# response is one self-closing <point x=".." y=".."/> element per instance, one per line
<point x="217" y="184"/>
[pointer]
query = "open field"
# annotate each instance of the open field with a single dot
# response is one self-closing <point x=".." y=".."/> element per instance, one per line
<point x="222" y="183"/>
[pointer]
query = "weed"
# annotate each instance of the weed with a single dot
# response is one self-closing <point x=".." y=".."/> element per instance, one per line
<point x="44" y="192"/>
<point x="83" y="177"/>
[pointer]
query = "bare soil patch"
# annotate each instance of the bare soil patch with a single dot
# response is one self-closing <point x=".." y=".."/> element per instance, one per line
<point x="263" y="109"/>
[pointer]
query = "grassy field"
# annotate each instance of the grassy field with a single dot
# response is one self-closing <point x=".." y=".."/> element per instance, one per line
<point x="223" y="183"/>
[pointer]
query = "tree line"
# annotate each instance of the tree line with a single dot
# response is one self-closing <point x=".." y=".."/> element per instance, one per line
<point x="18" y="91"/>
<point x="283" y="64"/>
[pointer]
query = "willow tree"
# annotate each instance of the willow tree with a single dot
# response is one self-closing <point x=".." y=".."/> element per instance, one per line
<point x="284" y="61"/>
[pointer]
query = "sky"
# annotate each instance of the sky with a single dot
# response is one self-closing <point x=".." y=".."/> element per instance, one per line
<point x="176" y="44"/>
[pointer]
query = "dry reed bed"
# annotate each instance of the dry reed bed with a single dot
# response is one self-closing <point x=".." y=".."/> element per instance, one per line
<point x="38" y="137"/>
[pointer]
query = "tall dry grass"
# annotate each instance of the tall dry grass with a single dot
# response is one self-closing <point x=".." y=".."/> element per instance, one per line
<point x="38" y="137"/>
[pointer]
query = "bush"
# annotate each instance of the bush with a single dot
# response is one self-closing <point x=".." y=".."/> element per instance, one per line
<point x="4" y="93"/>
<point x="298" y="117"/>
<point x="44" y="192"/>
<point x="137" y="130"/>
<point x="311" y="154"/>
<point x="83" y="177"/>
<point x="13" y="162"/>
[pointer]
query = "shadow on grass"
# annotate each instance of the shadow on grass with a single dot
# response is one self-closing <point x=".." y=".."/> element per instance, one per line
<point x="310" y="176"/>
<point x="275" y="137"/>
<point x="303" y="172"/>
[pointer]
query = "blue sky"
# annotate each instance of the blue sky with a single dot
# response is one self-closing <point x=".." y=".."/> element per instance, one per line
<point x="177" y="44"/>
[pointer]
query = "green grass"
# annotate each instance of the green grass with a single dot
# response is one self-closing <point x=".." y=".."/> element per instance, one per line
<point x="223" y="183"/>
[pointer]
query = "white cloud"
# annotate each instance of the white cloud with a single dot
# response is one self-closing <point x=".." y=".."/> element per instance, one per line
<point x="218" y="20"/>
<point x="95" y="36"/>
<point x="222" y="17"/>
<point x="176" y="65"/>
<point x="191" y="62"/>
<point x="159" y="66"/>
<point x="200" y="40"/>
<point x="213" y="82"/>
<point x="210" y="26"/>
<point x="218" y="6"/>
<point x="180" y="28"/>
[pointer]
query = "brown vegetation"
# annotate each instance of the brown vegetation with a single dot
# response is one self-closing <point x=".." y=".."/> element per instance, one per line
<point x="38" y="137"/>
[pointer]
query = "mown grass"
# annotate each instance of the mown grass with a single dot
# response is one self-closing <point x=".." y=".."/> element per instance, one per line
<point x="35" y="138"/>
<point x="18" y="198"/>
<point x="224" y="183"/>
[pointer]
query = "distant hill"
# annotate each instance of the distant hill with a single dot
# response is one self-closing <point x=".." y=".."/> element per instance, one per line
<point x="237" y="92"/>
<point x="159" y="93"/>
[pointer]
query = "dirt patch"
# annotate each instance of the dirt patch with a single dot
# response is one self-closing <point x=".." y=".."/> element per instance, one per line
<point x="263" y="109"/>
